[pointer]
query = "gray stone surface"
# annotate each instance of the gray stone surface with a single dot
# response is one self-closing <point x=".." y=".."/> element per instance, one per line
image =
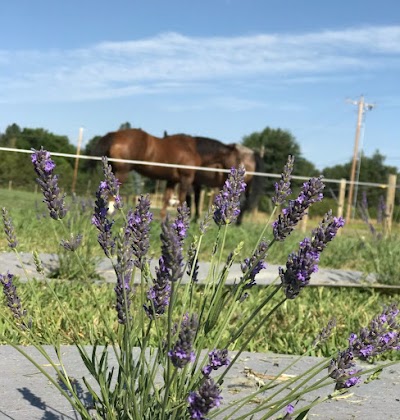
<point x="324" y="277"/>
<point x="25" y="393"/>
<point x="28" y="394"/>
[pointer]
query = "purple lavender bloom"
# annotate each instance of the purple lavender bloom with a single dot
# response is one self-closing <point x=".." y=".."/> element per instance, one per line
<point x="193" y="261"/>
<point x="139" y="224"/>
<point x="252" y="266"/>
<point x="326" y="231"/>
<point x="325" y="333"/>
<point x="207" y="397"/>
<point x="217" y="359"/>
<point x="159" y="293"/>
<point x="342" y="370"/>
<point x="282" y="188"/>
<point x="299" y="268"/>
<point x="48" y="182"/>
<point x="296" y="209"/>
<point x="73" y="243"/>
<point x="181" y="223"/>
<point x="382" y="335"/>
<point x="111" y="184"/>
<point x="12" y="298"/>
<point x="9" y="229"/>
<point x="123" y="270"/>
<point x="227" y="202"/>
<point x="102" y="223"/>
<point x="181" y="354"/>
<point x="171" y="250"/>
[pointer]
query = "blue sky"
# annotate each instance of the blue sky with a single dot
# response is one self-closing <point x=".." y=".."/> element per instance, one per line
<point x="218" y="68"/>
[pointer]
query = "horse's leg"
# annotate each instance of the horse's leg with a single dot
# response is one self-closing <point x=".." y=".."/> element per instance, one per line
<point x="169" y="189"/>
<point x="197" y="192"/>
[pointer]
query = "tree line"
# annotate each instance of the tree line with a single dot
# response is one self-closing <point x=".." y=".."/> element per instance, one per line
<point x="273" y="144"/>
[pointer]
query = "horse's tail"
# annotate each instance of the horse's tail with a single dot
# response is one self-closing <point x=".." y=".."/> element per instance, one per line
<point x="257" y="186"/>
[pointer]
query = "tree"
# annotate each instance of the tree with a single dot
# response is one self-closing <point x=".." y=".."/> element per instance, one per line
<point x="125" y="126"/>
<point x="275" y="145"/>
<point x="372" y="169"/>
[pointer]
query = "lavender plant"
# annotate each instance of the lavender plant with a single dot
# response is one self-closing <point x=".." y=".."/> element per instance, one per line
<point x="172" y="361"/>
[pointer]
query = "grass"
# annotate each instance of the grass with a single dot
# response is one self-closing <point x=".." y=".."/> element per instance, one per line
<point x="354" y="249"/>
<point x="291" y="329"/>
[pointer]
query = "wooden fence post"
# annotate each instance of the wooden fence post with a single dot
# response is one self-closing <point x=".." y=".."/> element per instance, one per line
<point x="390" y="203"/>
<point x="304" y="221"/>
<point x="10" y="185"/>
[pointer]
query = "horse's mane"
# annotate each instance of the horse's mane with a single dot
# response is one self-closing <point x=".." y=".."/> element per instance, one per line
<point x="206" y="145"/>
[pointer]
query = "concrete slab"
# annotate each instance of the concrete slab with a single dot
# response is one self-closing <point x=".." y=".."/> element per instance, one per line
<point x="324" y="277"/>
<point x="27" y="394"/>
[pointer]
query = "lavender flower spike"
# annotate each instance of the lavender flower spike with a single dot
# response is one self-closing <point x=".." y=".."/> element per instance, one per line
<point x="139" y="225"/>
<point x="207" y="397"/>
<point x="182" y="353"/>
<point x="11" y="296"/>
<point x="101" y="221"/>
<point x="382" y="335"/>
<point x="217" y="359"/>
<point x="9" y="229"/>
<point x="299" y="268"/>
<point x="227" y="202"/>
<point x="73" y="243"/>
<point x="159" y="293"/>
<point x="282" y="188"/>
<point x="326" y="231"/>
<point x="111" y="184"/>
<point x="296" y="209"/>
<point x="48" y="182"/>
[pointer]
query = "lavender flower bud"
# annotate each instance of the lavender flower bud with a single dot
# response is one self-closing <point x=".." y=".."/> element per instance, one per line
<point x="171" y="249"/>
<point x="159" y="293"/>
<point x="181" y="223"/>
<point x="296" y="209"/>
<point x="124" y="270"/>
<point x="207" y="397"/>
<point x="102" y="223"/>
<point x="382" y="335"/>
<point x="139" y="224"/>
<point x="9" y="229"/>
<point x="299" y="268"/>
<point x="48" y="182"/>
<point x="282" y="189"/>
<point x="325" y="333"/>
<point x="217" y="359"/>
<point x="182" y="353"/>
<point x="72" y="244"/>
<point x="12" y="298"/>
<point x="326" y="231"/>
<point x="342" y="370"/>
<point x="111" y="184"/>
<point x="227" y="202"/>
<point x="252" y="266"/>
<point x="193" y="261"/>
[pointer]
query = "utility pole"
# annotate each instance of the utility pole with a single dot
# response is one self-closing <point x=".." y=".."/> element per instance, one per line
<point x="362" y="107"/>
<point x="78" y="152"/>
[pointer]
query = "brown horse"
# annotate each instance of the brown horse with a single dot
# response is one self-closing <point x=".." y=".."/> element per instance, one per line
<point x="232" y="155"/>
<point x="136" y="144"/>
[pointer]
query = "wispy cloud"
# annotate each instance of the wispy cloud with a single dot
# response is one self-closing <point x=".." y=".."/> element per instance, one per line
<point x="171" y="62"/>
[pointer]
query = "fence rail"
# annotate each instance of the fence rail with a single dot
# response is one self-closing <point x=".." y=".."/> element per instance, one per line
<point x="391" y="186"/>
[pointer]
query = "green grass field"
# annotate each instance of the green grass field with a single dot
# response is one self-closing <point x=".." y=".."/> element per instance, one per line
<point x="291" y="329"/>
